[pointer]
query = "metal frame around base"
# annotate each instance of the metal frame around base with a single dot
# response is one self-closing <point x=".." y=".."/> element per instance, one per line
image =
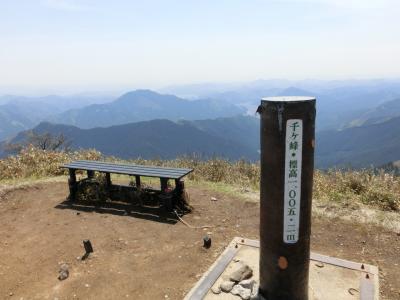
<point x="369" y="280"/>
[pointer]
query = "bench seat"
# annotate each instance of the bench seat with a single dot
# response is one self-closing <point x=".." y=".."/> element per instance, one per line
<point x="128" y="169"/>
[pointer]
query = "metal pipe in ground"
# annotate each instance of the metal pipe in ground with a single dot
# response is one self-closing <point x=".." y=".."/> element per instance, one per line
<point x="287" y="165"/>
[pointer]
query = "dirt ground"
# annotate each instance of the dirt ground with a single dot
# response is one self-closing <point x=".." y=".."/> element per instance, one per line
<point x="139" y="255"/>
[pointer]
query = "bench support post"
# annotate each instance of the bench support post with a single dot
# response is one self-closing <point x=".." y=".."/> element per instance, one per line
<point x="72" y="185"/>
<point x="90" y="174"/>
<point x="138" y="183"/>
<point x="164" y="184"/>
<point x="179" y="191"/>
<point x="179" y="186"/>
<point x="108" y="180"/>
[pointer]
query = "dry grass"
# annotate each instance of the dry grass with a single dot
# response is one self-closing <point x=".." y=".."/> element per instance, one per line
<point x="375" y="189"/>
<point x="378" y="189"/>
<point x="33" y="162"/>
<point x="241" y="173"/>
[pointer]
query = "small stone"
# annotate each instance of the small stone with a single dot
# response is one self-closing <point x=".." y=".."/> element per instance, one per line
<point x="63" y="272"/>
<point x="87" y="285"/>
<point x="63" y="275"/>
<point x="236" y="260"/>
<point x="242" y="272"/>
<point x="254" y="291"/>
<point x="213" y="199"/>
<point x="226" y="286"/>
<point x="238" y="290"/>
<point x="216" y="289"/>
<point x="11" y="293"/>
<point x="206" y="241"/>
<point x="235" y="291"/>
<point x="247" y="283"/>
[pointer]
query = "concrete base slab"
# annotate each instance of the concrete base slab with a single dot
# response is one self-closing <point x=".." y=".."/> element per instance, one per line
<point x="330" y="278"/>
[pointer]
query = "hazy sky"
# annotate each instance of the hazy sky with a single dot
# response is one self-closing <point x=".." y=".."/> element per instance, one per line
<point x="92" y="44"/>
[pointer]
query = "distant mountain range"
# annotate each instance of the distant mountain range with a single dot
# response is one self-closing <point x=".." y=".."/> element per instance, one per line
<point x="19" y="113"/>
<point x="339" y="105"/>
<point x="338" y="102"/>
<point x="357" y="122"/>
<point x="144" y="105"/>
<point x="12" y="121"/>
<point x="232" y="138"/>
<point x="379" y="114"/>
<point x="162" y="138"/>
<point x="362" y="146"/>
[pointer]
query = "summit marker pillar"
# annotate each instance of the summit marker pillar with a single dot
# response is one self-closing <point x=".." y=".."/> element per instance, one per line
<point x="287" y="166"/>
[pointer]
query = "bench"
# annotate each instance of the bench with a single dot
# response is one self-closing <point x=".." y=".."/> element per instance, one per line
<point x="138" y="171"/>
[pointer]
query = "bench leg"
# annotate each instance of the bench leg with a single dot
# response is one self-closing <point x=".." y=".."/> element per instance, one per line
<point x="166" y="198"/>
<point x="138" y="183"/>
<point x="179" y="186"/>
<point x="108" y="185"/>
<point x="179" y="191"/>
<point x="108" y="180"/>
<point x="90" y="174"/>
<point x="72" y="185"/>
<point x="164" y="184"/>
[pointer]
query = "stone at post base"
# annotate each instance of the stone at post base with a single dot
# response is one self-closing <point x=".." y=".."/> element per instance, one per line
<point x="330" y="278"/>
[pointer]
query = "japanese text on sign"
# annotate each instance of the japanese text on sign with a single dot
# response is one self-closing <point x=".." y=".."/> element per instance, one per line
<point x="293" y="155"/>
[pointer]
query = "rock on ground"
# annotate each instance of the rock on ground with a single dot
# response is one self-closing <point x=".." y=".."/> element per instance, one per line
<point x="63" y="272"/>
<point x="254" y="291"/>
<point x="247" y="283"/>
<point x="241" y="291"/>
<point x="226" y="286"/>
<point x="241" y="273"/>
<point x="216" y="289"/>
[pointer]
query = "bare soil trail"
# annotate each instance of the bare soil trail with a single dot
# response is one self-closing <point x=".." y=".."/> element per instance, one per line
<point x="139" y="255"/>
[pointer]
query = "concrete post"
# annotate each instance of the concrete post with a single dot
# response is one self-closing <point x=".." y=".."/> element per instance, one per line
<point x="287" y="164"/>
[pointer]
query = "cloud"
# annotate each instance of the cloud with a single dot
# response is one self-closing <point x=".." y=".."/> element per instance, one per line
<point x="66" y="5"/>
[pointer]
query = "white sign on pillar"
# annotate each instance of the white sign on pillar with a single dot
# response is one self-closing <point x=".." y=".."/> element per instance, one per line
<point x="293" y="156"/>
